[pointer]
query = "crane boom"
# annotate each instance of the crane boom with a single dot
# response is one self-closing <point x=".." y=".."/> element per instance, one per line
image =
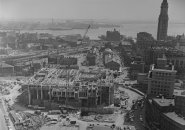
<point x="85" y="33"/>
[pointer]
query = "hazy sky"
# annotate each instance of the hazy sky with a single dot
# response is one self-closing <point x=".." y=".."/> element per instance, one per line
<point x="142" y="10"/>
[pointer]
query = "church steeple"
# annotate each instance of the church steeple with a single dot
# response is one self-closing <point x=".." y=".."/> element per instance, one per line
<point x="163" y="21"/>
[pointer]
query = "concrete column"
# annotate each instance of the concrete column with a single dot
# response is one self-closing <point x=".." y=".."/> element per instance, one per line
<point x="41" y="93"/>
<point x="37" y="92"/>
<point x="29" y="95"/>
<point x="109" y="95"/>
<point x="58" y="96"/>
<point x="13" y="71"/>
<point x="49" y="92"/>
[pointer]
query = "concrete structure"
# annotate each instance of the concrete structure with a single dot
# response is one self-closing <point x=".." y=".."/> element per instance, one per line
<point x="107" y="55"/>
<point x="181" y="43"/>
<point x="142" y="78"/>
<point x="91" y="58"/>
<point x="6" y="69"/>
<point x="62" y="60"/>
<point x="163" y="22"/>
<point x="171" y="121"/>
<point x="180" y="104"/>
<point x="136" y="67"/>
<point x="113" y="65"/>
<point x="111" y="60"/>
<point x="161" y="79"/>
<point x="144" y="40"/>
<point x="177" y="61"/>
<point x="52" y="86"/>
<point x="113" y="35"/>
<point x="155" y="108"/>
<point x="174" y="56"/>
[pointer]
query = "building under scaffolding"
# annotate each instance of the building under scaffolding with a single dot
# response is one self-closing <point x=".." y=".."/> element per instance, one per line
<point x="52" y="87"/>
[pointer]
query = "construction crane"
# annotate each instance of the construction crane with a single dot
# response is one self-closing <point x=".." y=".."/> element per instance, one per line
<point x="85" y="34"/>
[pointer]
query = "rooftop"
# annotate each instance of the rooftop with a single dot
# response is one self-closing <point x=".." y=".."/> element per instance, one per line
<point x="179" y="93"/>
<point x="4" y="65"/>
<point x="62" y="77"/>
<point x="164" y="70"/>
<point x="175" y="118"/>
<point x="164" y="102"/>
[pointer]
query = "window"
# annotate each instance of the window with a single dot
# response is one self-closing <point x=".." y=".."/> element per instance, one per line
<point x="181" y="63"/>
<point x="173" y="62"/>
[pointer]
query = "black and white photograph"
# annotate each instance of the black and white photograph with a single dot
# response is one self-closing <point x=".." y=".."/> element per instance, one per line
<point x="92" y="65"/>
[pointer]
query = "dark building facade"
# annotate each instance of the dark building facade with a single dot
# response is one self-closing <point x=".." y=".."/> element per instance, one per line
<point x="6" y="69"/>
<point x="144" y="40"/>
<point x="113" y="35"/>
<point x="154" y="110"/>
<point x="163" y="21"/>
<point x="91" y="58"/>
<point x="137" y="67"/>
<point x="171" y="121"/>
<point x="180" y="104"/>
<point x="54" y="59"/>
<point x="112" y="65"/>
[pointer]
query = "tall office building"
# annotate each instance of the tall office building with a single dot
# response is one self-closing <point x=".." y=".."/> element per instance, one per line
<point x="161" y="79"/>
<point x="163" y="21"/>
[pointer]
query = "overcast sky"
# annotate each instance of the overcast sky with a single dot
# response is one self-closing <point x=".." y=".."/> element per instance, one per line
<point x="141" y="10"/>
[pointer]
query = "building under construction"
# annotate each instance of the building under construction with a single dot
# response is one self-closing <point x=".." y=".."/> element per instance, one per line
<point x="51" y="87"/>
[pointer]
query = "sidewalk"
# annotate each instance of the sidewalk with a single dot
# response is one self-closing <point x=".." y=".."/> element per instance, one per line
<point x="7" y="114"/>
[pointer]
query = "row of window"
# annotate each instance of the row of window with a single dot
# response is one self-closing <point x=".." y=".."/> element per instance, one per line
<point x="160" y="86"/>
<point x="157" y="92"/>
<point x="163" y="74"/>
<point x="164" y="79"/>
<point x="159" y="82"/>
<point x="157" y="89"/>
<point x="177" y="62"/>
<point x="63" y="94"/>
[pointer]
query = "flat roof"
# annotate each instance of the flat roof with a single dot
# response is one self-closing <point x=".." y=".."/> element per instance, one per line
<point x="179" y="92"/>
<point x="174" y="117"/>
<point x="164" y="102"/>
<point x="164" y="70"/>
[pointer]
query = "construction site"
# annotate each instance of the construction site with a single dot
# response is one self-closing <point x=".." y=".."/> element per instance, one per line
<point x="66" y="88"/>
<point x="71" y="87"/>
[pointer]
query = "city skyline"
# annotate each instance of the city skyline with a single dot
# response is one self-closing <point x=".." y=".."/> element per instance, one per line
<point x="126" y="10"/>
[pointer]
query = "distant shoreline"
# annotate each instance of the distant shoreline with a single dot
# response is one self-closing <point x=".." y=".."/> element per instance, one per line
<point x="55" y="29"/>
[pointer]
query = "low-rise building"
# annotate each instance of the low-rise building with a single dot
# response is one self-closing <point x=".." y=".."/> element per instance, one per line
<point x="6" y="69"/>
<point x="136" y="67"/>
<point x="113" y="65"/>
<point x="180" y="104"/>
<point x="91" y="58"/>
<point x="62" y="60"/>
<point x="155" y="108"/>
<point x="172" y="121"/>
